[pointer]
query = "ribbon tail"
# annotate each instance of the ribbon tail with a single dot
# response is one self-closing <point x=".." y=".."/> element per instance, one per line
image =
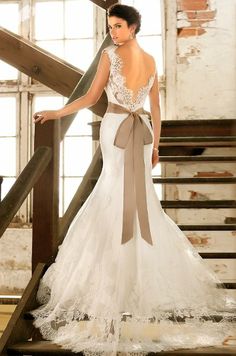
<point x="129" y="192"/>
<point x="139" y="167"/>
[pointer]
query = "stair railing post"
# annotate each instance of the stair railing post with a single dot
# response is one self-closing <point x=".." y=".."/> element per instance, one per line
<point x="46" y="197"/>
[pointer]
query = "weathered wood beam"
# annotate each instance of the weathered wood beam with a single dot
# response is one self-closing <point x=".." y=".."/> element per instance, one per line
<point x="50" y="70"/>
<point x="37" y="63"/>
<point x="46" y="197"/>
<point x="104" y="4"/>
<point x="23" y="185"/>
<point x="82" y="88"/>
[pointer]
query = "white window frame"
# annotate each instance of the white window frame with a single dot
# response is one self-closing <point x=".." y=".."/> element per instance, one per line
<point x="24" y="89"/>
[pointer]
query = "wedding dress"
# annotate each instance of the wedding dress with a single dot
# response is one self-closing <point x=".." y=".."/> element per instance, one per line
<point x="126" y="278"/>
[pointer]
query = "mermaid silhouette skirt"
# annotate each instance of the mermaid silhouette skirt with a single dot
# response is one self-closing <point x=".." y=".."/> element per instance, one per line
<point x="104" y="294"/>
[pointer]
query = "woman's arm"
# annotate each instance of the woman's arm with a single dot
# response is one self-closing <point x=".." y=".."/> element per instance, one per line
<point x="155" y="111"/>
<point x="87" y="100"/>
<point x="156" y="119"/>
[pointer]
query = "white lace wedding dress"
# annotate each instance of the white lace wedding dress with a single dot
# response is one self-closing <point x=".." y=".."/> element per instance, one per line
<point x="146" y="291"/>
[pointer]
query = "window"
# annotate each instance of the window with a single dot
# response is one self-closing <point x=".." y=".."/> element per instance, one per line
<point x="73" y="40"/>
<point x="8" y="140"/>
<point x="59" y="27"/>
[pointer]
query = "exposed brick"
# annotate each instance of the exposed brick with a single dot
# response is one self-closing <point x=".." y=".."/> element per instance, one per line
<point x="230" y="220"/>
<point x="197" y="196"/>
<point x="197" y="23"/>
<point x="187" y="32"/>
<point x="191" y="14"/>
<point x="209" y="15"/>
<point x="198" y="240"/>
<point x="213" y="174"/>
<point x="186" y="5"/>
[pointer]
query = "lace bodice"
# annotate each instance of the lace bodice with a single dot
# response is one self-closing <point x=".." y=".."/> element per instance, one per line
<point x="116" y="88"/>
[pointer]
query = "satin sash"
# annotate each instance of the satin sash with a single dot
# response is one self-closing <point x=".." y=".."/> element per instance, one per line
<point x="132" y="135"/>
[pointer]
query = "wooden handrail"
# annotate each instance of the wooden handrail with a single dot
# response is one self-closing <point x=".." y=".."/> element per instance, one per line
<point x="103" y="4"/>
<point x="23" y="185"/>
<point x="38" y="63"/>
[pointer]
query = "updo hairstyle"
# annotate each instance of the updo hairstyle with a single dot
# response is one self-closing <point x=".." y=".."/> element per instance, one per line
<point x="127" y="13"/>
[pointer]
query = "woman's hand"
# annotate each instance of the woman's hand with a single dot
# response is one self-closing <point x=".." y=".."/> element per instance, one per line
<point x="155" y="157"/>
<point x="43" y="116"/>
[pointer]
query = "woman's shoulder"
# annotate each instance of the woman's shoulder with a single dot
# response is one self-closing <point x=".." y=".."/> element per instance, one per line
<point x="109" y="49"/>
<point x="149" y="59"/>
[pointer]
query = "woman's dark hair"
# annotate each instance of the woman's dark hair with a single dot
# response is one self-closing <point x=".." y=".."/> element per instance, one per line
<point x="127" y="13"/>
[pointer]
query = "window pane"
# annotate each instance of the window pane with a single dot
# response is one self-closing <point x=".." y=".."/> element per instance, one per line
<point x="8" y="161"/>
<point x="80" y="124"/>
<point x="55" y="47"/>
<point x="47" y="102"/>
<point x="49" y="20"/>
<point x="77" y="155"/>
<point x="9" y="16"/>
<point x="75" y="14"/>
<point x="61" y="192"/>
<point x="151" y="16"/>
<point x="7" y="72"/>
<point x="153" y="45"/>
<point x="6" y="186"/>
<point x="70" y="187"/>
<point x="8" y="116"/>
<point x="79" y="52"/>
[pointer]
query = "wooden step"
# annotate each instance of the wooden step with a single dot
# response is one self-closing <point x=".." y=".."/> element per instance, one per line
<point x="198" y="204"/>
<point x="195" y="204"/>
<point x="47" y="348"/>
<point x="230" y="285"/>
<point x="206" y="159"/>
<point x="199" y="141"/>
<point x="194" y="180"/>
<point x="9" y="299"/>
<point x="218" y="254"/>
<point x="212" y="227"/>
<point x="38" y="348"/>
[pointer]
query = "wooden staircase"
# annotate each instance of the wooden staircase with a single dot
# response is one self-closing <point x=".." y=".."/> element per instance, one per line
<point x="32" y="344"/>
<point x="181" y="141"/>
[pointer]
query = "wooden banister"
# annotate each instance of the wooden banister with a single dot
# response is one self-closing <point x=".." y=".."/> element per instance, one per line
<point x="46" y="197"/>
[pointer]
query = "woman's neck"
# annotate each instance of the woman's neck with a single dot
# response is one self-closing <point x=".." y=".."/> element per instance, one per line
<point x="132" y="43"/>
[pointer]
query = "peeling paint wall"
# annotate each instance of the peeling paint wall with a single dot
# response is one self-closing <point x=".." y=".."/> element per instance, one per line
<point x="206" y="59"/>
<point x="15" y="260"/>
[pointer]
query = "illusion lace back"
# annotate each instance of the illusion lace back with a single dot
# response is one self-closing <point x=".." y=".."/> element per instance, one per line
<point x="104" y="294"/>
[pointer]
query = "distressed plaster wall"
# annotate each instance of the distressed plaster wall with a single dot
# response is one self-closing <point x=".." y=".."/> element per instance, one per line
<point x="15" y="260"/>
<point x="206" y="59"/>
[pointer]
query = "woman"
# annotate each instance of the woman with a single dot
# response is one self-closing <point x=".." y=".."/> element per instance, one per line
<point x="126" y="278"/>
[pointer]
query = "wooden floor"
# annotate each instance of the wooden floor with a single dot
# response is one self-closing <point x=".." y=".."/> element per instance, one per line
<point x="48" y="348"/>
<point x="5" y="314"/>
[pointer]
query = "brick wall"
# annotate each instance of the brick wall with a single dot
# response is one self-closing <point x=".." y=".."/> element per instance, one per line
<point x="192" y="15"/>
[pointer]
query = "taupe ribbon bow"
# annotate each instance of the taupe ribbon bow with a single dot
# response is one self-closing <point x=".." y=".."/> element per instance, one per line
<point x="132" y="135"/>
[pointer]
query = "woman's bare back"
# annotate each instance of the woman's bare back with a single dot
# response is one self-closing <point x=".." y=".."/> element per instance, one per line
<point x="137" y="67"/>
